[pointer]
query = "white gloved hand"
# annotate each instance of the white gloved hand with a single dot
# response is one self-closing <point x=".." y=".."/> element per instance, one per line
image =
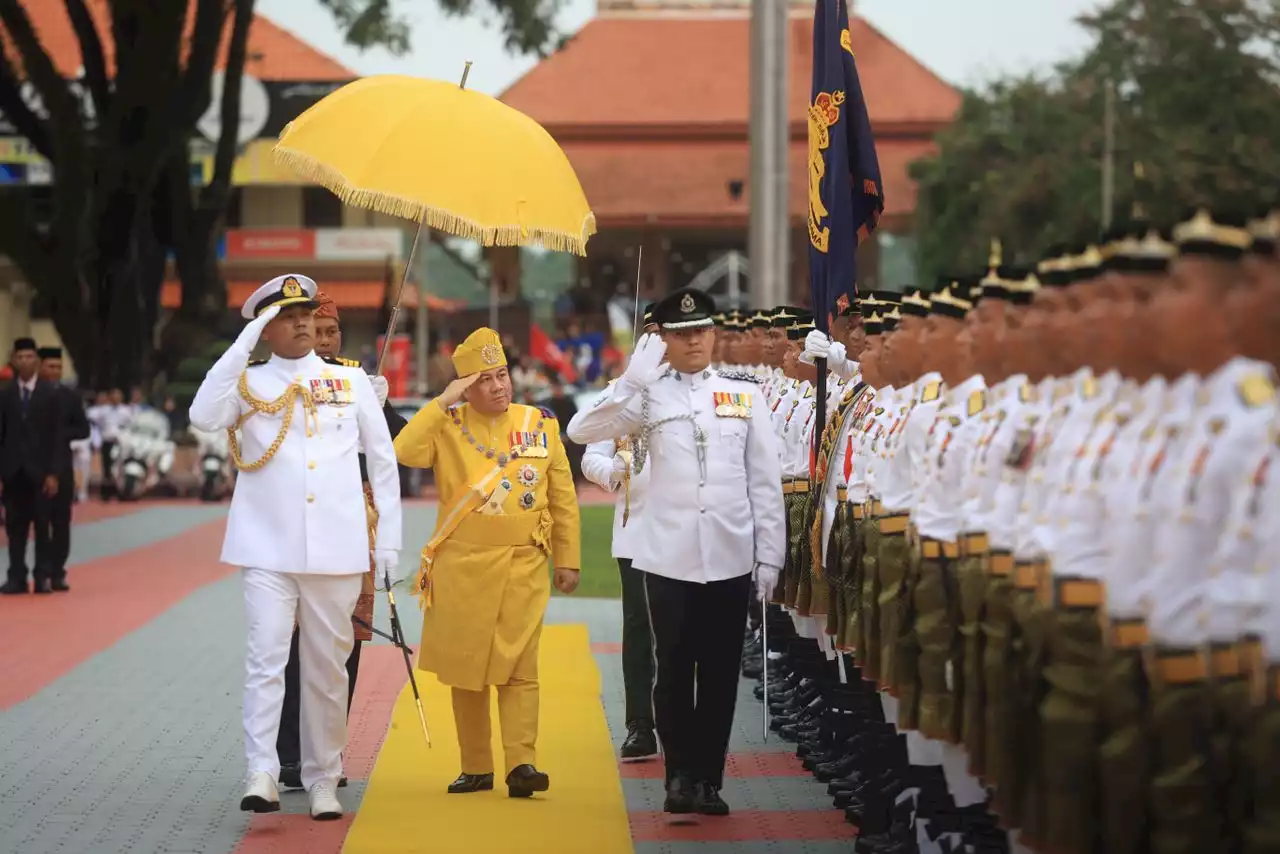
<point x="385" y="563"/>
<point x="248" y="337"/>
<point x="646" y="363"/>
<point x="621" y="464"/>
<point x="380" y="388"/>
<point x="818" y="346"/>
<point x="766" y="580"/>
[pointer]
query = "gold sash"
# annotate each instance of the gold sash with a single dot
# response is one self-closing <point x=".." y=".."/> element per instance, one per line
<point x="452" y="513"/>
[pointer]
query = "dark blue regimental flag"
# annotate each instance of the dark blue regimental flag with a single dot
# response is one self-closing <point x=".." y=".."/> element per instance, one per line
<point x="845" y="193"/>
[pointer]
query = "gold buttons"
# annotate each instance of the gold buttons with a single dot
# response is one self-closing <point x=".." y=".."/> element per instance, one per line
<point x="311" y="499"/>
<point x="311" y="465"/>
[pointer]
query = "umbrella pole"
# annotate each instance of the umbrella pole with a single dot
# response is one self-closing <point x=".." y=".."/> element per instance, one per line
<point x="395" y="308"/>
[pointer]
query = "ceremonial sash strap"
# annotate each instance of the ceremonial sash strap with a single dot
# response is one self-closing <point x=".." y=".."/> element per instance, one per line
<point x="457" y="508"/>
<point x="829" y="437"/>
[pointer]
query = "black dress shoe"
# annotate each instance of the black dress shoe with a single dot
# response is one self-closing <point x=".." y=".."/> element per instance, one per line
<point x="12" y="588"/>
<point x="290" y="775"/>
<point x="44" y="585"/>
<point x="524" y="780"/>
<point x="753" y="667"/>
<point x="471" y="783"/>
<point x="707" y="800"/>
<point x="682" y="796"/>
<point x="640" y="742"/>
<point x="60" y="585"/>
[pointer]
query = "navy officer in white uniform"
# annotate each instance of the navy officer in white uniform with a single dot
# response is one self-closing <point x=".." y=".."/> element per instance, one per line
<point x="297" y="525"/>
<point x="713" y="523"/>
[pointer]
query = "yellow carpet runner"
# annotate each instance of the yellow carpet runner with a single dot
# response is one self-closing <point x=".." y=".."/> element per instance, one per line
<point x="406" y="809"/>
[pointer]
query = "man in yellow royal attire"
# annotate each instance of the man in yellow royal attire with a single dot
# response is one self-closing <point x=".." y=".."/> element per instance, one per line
<point x="507" y="505"/>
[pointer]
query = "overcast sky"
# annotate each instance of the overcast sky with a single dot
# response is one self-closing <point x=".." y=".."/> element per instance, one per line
<point x="966" y="41"/>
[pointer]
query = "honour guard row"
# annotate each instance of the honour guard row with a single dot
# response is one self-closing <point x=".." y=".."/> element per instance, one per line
<point x="1028" y="595"/>
<point x="1026" y="586"/>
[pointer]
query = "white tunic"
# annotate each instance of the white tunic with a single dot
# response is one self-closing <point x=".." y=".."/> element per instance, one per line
<point x="302" y="512"/>
<point x="720" y="505"/>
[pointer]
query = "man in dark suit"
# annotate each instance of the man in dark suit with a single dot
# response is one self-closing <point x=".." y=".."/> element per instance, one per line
<point x="34" y="450"/>
<point x="76" y="425"/>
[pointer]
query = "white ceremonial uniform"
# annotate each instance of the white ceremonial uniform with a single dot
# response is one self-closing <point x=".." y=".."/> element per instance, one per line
<point x="1226" y="430"/>
<point x="916" y="434"/>
<point x="712" y="523"/>
<point x="1035" y="530"/>
<point x="1076" y="503"/>
<point x="987" y="465"/>
<point x="1137" y="506"/>
<point x="297" y="527"/>
<point x="894" y="476"/>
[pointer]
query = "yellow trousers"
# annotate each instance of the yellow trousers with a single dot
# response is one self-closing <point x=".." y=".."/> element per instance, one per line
<point x="517" y="717"/>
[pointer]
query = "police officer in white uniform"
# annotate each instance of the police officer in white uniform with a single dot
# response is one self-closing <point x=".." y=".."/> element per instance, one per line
<point x="718" y="521"/>
<point x="610" y="464"/>
<point x="297" y="525"/>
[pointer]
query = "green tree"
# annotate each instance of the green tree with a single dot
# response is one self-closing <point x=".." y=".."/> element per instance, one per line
<point x="1194" y="90"/>
<point x="118" y="141"/>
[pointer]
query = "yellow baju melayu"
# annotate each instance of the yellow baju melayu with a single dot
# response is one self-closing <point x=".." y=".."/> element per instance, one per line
<point x="507" y="504"/>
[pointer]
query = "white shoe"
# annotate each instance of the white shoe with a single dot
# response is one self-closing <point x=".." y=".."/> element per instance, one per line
<point x="324" y="802"/>
<point x="261" y="794"/>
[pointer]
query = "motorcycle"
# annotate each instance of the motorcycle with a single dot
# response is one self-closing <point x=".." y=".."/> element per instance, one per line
<point x="212" y="455"/>
<point x="143" y="454"/>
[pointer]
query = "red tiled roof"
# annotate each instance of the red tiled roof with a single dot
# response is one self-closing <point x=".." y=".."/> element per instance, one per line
<point x="687" y="182"/>
<point x="655" y="71"/>
<point x="274" y="53"/>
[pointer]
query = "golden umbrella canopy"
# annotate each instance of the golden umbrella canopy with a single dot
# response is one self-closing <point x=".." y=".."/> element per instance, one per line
<point x="443" y="156"/>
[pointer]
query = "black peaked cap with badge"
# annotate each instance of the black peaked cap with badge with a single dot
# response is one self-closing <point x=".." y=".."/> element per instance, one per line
<point x="686" y="308"/>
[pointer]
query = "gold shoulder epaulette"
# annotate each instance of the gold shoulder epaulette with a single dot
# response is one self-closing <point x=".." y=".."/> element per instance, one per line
<point x="338" y="360"/>
<point x="977" y="402"/>
<point x="930" y="392"/>
<point x="1256" y="390"/>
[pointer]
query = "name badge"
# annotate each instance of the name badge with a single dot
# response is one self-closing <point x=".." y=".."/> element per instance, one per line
<point x="731" y="404"/>
<point x="528" y="444"/>
<point x="335" y="392"/>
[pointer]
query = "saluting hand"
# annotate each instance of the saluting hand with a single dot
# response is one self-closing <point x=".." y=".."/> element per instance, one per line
<point x="646" y="362"/>
<point x="380" y="388"/>
<point x="453" y="391"/>
<point x="253" y="329"/>
<point x="566" y="580"/>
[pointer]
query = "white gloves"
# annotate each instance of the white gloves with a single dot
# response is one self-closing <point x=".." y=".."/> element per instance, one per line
<point x="621" y="464"/>
<point x="248" y="337"/>
<point x="766" y="580"/>
<point x="385" y="563"/>
<point x="818" y="346"/>
<point x="646" y="363"/>
<point x="380" y="388"/>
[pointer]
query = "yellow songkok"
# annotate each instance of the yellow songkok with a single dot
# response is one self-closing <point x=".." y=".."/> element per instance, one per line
<point x="482" y="351"/>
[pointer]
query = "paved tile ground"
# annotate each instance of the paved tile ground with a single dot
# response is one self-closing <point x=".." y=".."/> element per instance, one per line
<point x="134" y="745"/>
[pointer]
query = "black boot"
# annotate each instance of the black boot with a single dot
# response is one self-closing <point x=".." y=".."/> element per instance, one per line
<point x="681" y="796"/>
<point x="640" y="743"/>
<point x="471" y="783"/>
<point x="524" y="780"/>
<point x="707" y="800"/>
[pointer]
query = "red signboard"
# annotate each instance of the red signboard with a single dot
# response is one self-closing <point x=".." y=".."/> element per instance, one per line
<point x="399" y="367"/>
<point x="245" y="244"/>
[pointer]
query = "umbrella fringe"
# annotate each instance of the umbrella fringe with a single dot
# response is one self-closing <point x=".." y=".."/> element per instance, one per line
<point x="310" y="169"/>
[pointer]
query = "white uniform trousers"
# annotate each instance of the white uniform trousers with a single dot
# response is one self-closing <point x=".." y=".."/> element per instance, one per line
<point x="323" y="604"/>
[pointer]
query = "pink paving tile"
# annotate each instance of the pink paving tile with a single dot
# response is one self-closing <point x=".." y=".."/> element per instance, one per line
<point x="291" y="833"/>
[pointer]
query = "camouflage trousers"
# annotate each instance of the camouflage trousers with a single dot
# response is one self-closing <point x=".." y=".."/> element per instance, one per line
<point x="867" y="547"/>
<point x="840" y="575"/>
<point x="1124" y="757"/>
<point x="1260" y="832"/>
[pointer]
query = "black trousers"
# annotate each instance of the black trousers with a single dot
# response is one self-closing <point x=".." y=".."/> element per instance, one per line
<point x="697" y="639"/>
<point x="60" y="524"/>
<point x="289" y="738"/>
<point x="637" y="646"/>
<point x="108" y="487"/>
<point x="25" y="507"/>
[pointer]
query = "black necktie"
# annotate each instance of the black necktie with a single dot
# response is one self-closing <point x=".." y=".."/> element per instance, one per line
<point x="26" y="398"/>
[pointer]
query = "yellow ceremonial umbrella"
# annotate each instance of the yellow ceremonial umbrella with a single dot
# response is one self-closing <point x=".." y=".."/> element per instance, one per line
<point x="443" y="156"/>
